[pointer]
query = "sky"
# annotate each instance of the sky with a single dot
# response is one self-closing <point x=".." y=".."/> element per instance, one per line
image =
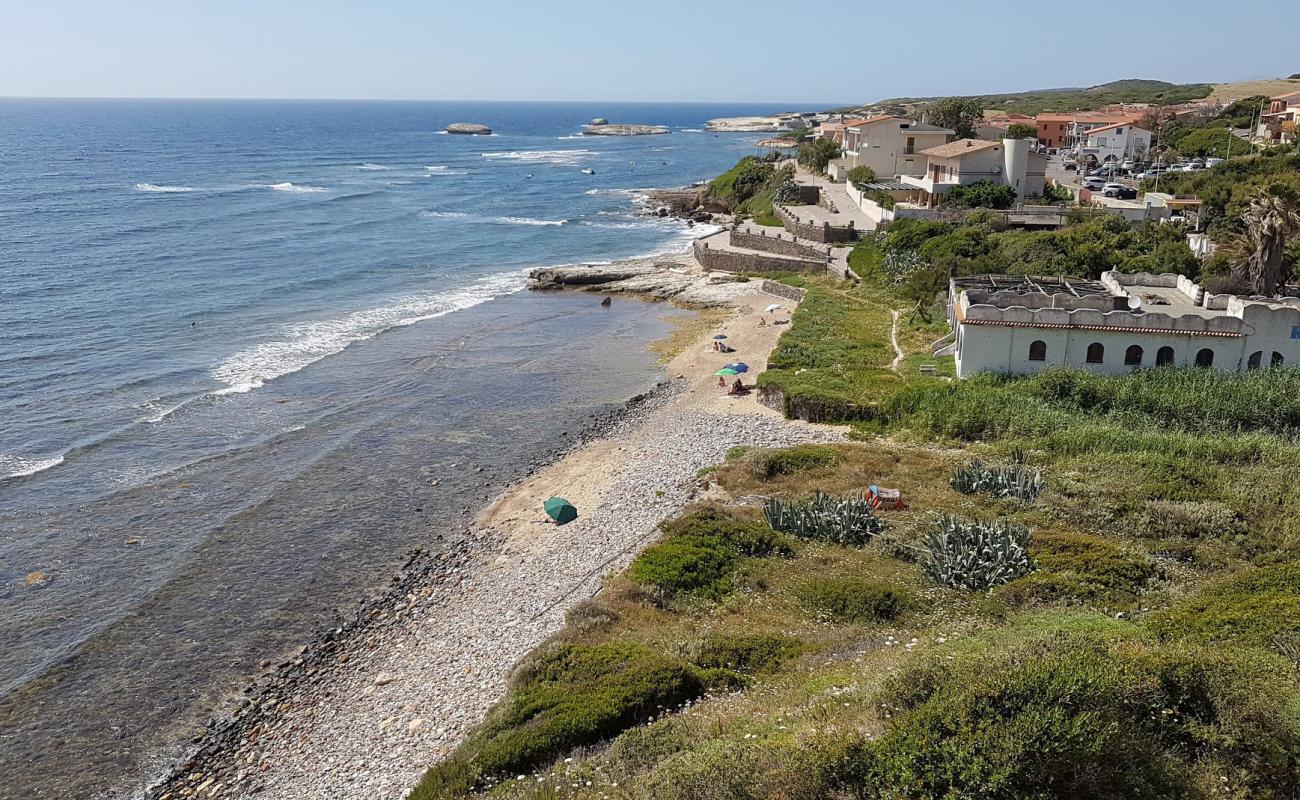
<point x="759" y="51"/>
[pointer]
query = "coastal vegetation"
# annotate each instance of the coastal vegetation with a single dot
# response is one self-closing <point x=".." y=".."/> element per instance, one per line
<point x="1092" y="588"/>
<point x="1159" y="93"/>
<point x="751" y="187"/>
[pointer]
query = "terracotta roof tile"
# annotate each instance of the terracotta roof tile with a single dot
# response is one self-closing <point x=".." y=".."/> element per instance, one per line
<point x="959" y="148"/>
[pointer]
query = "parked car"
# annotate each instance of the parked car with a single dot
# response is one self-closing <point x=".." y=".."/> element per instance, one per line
<point x="1111" y="189"/>
<point x="1213" y="162"/>
<point x="1126" y="193"/>
<point x="1093" y="183"/>
<point x="1070" y="165"/>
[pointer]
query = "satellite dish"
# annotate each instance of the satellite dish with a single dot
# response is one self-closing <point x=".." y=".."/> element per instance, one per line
<point x="1134" y="303"/>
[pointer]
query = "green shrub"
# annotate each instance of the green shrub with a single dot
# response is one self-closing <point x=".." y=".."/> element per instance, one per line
<point x="744" y="537"/>
<point x="1259" y="607"/>
<point x="444" y="781"/>
<point x="1190" y="519"/>
<point x="1074" y="712"/>
<point x="768" y="464"/>
<point x="745" y="652"/>
<point x="700" y="551"/>
<point x="700" y="566"/>
<point x="1075" y="566"/>
<point x="639" y="749"/>
<point x="861" y="176"/>
<point x="853" y="599"/>
<point x="751" y="770"/>
<point x="574" y="695"/>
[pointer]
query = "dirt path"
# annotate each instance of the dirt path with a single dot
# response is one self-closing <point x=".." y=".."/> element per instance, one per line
<point x="893" y="340"/>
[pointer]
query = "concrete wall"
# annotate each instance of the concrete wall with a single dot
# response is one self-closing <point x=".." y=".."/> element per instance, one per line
<point x="782" y="290"/>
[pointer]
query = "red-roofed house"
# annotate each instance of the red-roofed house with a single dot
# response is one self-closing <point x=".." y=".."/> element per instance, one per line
<point x="1009" y="161"/>
<point x="1279" y="123"/>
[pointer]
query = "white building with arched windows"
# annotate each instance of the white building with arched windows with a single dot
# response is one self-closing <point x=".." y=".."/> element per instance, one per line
<point x="1016" y="324"/>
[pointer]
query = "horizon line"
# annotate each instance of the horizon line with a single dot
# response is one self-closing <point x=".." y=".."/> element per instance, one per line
<point x="409" y="100"/>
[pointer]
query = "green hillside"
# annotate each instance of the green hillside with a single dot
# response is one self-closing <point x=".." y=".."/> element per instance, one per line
<point x="1132" y="90"/>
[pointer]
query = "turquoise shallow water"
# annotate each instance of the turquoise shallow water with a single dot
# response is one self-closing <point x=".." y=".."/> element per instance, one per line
<point x="239" y="338"/>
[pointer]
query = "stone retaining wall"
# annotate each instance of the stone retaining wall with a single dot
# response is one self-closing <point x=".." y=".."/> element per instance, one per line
<point x="809" y="194"/>
<point x="782" y="290"/>
<point x="824" y="233"/>
<point x="781" y="244"/>
<point x="731" y="261"/>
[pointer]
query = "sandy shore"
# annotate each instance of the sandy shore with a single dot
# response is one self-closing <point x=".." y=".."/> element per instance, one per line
<point x="364" y="712"/>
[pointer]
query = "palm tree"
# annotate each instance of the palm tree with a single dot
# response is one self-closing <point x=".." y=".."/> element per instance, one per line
<point x="1272" y="216"/>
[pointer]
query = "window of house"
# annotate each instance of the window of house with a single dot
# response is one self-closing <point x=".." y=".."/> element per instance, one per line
<point x="1038" y="350"/>
<point x="1096" y="353"/>
<point x="1133" y="356"/>
<point x="1165" y="357"/>
<point x="1255" y="358"/>
<point x="1277" y="359"/>
<point x="1204" y="357"/>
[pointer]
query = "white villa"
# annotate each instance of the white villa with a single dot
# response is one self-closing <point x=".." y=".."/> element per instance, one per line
<point x="1123" y="322"/>
<point x="1116" y="143"/>
<point x="889" y="145"/>
<point x="1013" y="162"/>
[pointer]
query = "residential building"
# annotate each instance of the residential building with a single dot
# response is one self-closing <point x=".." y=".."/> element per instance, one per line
<point x="1279" y="123"/>
<point x="1116" y="143"/>
<point x="889" y="145"/>
<point x="1013" y="162"/>
<point x="1070" y="130"/>
<point x="995" y="124"/>
<point x="831" y="130"/>
<point x="1123" y="322"/>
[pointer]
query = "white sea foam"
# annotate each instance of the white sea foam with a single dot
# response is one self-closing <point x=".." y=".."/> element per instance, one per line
<point x="304" y="343"/>
<point x="18" y="466"/>
<point x="561" y="157"/>
<point x="162" y="189"/>
<point x="369" y="167"/>
<point x="571" y="136"/>
<point x="444" y="214"/>
<point x="691" y="130"/>
<point x="294" y="187"/>
<point x="528" y="221"/>
<point x="443" y="169"/>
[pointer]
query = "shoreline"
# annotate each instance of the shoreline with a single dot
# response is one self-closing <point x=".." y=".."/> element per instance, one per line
<point x="498" y="576"/>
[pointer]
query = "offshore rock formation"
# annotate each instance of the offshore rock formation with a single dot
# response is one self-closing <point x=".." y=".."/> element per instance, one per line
<point x="469" y="128"/>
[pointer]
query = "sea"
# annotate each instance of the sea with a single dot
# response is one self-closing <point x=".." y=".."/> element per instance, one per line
<point x="253" y="353"/>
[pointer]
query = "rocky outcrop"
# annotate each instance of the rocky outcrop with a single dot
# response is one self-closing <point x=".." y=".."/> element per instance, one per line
<point x="469" y="128"/>
<point x="783" y="122"/>
<point x="610" y="129"/>
<point x="668" y="281"/>
<point x="600" y="121"/>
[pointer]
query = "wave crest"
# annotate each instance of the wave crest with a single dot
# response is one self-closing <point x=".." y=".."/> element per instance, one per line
<point x="305" y="343"/>
<point x="19" y="466"/>
<point x="297" y="188"/>
<point x="163" y="189"/>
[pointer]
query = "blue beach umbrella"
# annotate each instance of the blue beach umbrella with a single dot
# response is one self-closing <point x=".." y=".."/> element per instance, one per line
<point x="738" y="366"/>
<point x="720" y="336"/>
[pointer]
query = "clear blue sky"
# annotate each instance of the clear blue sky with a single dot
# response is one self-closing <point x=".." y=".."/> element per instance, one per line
<point x="779" y="51"/>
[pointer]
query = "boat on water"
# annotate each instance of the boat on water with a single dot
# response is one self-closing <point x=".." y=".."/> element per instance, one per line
<point x="589" y="171"/>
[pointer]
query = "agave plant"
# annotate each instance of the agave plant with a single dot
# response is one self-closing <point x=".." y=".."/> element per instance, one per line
<point x="847" y="521"/>
<point x="1013" y="480"/>
<point x="976" y="554"/>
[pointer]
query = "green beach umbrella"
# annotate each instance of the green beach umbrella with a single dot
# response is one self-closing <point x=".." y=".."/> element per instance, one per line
<point x="726" y="371"/>
<point x="560" y="510"/>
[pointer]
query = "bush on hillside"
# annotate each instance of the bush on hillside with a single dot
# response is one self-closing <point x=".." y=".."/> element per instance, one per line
<point x="1190" y="519"/>
<point x="745" y="652"/>
<point x="861" y="176"/>
<point x="853" y="599"/>
<point x="1079" y="567"/>
<point x="1258" y="607"/>
<point x="1062" y="708"/>
<point x="974" y="554"/>
<point x="983" y="194"/>
<point x="700" y="551"/>
<point x="848" y="522"/>
<point x="768" y="464"/>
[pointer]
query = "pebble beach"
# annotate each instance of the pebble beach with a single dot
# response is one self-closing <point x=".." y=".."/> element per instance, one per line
<point x="366" y="708"/>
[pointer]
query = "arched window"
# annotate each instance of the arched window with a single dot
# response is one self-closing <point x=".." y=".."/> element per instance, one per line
<point x="1038" y="350"/>
<point x="1133" y="356"/>
<point x="1165" y="357"/>
<point x="1277" y="359"/>
<point x="1204" y="357"/>
<point x="1255" y="358"/>
<point x="1096" y="353"/>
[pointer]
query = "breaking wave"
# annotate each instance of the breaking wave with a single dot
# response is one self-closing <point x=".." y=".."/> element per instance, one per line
<point x="561" y="157"/>
<point x="18" y="466"/>
<point x="162" y="189"/>
<point x="305" y="343"/>
<point x="293" y="187"/>
<point x="369" y="167"/>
